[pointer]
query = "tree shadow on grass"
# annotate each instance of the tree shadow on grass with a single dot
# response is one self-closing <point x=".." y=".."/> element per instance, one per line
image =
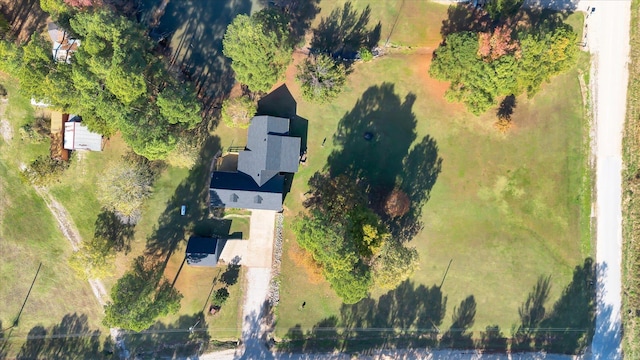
<point x="108" y="226"/>
<point x="463" y="318"/>
<point x="173" y="228"/>
<point x="300" y="13"/>
<point x="374" y="141"/>
<point x="406" y="317"/>
<point x="505" y="110"/>
<point x="569" y="327"/>
<point x="465" y="17"/>
<point x="184" y="337"/>
<point x="196" y="30"/>
<point x="71" y="338"/>
<point x="344" y="32"/>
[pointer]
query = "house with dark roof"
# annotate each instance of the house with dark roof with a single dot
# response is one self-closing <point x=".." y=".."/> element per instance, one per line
<point x="203" y="251"/>
<point x="258" y="181"/>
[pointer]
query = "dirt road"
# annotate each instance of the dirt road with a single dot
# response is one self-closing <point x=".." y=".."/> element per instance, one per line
<point x="608" y="41"/>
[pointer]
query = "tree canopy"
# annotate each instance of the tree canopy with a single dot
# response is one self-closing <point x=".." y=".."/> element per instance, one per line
<point x="483" y="67"/>
<point x="114" y="81"/>
<point x="124" y="186"/>
<point x="238" y="112"/>
<point x="349" y="241"/>
<point x="321" y="78"/>
<point x="140" y="297"/>
<point x="259" y="49"/>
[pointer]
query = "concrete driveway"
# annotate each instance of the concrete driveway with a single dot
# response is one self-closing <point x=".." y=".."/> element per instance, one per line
<point x="257" y="252"/>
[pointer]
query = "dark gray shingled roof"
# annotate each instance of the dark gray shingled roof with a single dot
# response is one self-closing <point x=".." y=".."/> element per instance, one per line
<point x="258" y="183"/>
<point x="202" y="251"/>
<point x="238" y="190"/>
<point x="269" y="149"/>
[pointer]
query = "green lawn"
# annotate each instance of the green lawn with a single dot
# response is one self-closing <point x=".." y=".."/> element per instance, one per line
<point x="504" y="210"/>
<point x="29" y="236"/>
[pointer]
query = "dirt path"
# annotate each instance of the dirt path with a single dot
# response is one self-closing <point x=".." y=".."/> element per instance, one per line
<point x="69" y="230"/>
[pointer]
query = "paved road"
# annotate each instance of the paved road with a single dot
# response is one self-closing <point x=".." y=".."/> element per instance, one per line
<point x="608" y="41"/>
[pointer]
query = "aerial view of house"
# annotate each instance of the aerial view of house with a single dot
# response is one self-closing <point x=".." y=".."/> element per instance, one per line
<point x="257" y="182"/>
<point x="319" y="179"/>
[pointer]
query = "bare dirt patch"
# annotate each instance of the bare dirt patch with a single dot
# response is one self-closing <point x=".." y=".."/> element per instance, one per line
<point x="6" y="131"/>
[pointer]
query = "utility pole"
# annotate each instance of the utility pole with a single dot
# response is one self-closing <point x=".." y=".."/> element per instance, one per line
<point x="15" y="323"/>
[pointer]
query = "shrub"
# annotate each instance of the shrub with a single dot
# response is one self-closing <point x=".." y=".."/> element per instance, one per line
<point x="220" y="297"/>
<point x="365" y="54"/>
<point x="44" y="170"/>
<point x="35" y="132"/>
<point x="503" y="125"/>
<point x="237" y="112"/>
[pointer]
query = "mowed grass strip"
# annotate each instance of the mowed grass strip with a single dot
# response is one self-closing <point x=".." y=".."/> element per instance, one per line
<point x="505" y="210"/>
<point x="631" y="199"/>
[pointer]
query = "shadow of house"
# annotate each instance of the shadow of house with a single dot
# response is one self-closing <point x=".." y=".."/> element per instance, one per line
<point x="258" y="182"/>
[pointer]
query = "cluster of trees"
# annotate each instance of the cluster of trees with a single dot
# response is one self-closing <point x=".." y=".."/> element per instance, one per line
<point x="140" y="297"/>
<point x="349" y="241"/>
<point x="484" y="67"/>
<point x="114" y="80"/>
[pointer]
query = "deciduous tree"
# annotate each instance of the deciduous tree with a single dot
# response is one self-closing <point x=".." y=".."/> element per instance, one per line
<point x="397" y="203"/>
<point x="94" y="259"/>
<point x="395" y="264"/>
<point x="321" y="78"/>
<point x="123" y="187"/>
<point x="238" y="112"/>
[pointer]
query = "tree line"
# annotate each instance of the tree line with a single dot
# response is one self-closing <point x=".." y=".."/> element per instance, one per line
<point x="510" y="57"/>
<point x="114" y="80"/>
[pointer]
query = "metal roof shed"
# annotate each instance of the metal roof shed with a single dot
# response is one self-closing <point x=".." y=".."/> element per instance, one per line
<point x="78" y="137"/>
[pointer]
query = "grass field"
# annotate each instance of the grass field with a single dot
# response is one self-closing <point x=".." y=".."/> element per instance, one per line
<point x="29" y="236"/>
<point x="631" y="200"/>
<point x="505" y="210"/>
